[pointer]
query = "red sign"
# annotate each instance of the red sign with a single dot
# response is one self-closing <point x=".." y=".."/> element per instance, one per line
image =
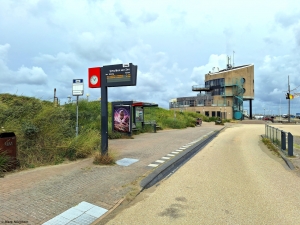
<point x="94" y="77"/>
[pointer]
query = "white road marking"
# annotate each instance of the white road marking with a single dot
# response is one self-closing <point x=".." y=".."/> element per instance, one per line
<point x="160" y="161"/>
<point x="165" y="157"/>
<point x="153" y="165"/>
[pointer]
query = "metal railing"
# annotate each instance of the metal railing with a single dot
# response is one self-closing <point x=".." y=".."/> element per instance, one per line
<point x="282" y="139"/>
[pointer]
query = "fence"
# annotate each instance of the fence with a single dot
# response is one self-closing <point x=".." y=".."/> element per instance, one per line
<point x="282" y="139"/>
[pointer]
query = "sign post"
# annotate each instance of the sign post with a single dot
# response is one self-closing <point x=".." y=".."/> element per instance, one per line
<point x="110" y="76"/>
<point x="77" y="90"/>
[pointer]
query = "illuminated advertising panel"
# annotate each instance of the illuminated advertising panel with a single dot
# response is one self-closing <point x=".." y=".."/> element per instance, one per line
<point x="122" y="118"/>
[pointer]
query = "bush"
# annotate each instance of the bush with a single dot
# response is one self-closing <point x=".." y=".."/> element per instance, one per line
<point x="6" y="162"/>
<point x="83" y="145"/>
<point x="103" y="159"/>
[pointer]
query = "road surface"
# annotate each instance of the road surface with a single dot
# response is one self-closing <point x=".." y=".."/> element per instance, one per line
<point x="233" y="180"/>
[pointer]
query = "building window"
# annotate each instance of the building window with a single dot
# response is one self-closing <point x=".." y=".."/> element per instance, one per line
<point x="192" y="103"/>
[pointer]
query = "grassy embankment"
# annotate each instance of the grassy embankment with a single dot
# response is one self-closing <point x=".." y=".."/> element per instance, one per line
<point x="46" y="134"/>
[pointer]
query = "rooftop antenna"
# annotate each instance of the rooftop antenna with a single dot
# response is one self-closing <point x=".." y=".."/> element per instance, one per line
<point x="228" y="63"/>
<point x="233" y="59"/>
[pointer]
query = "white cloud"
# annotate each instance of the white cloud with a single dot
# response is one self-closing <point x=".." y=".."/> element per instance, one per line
<point x="45" y="44"/>
<point x="24" y="75"/>
<point x="35" y="75"/>
<point x="3" y="51"/>
<point x="215" y="62"/>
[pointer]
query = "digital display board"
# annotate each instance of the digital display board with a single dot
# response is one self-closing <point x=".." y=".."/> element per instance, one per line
<point x="120" y="75"/>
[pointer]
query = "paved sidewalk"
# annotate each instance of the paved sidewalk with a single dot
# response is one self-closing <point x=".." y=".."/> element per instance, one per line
<point x="38" y="195"/>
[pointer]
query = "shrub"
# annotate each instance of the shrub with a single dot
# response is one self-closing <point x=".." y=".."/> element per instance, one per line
<point x="103" y="159"/>
<point x="83" y="145"/>
<point x="6" y="162"/>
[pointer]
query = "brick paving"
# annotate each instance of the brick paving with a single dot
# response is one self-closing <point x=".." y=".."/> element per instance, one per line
<point x="37" y="195"/>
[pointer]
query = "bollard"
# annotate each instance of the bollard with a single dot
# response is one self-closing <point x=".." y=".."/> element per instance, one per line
<point x="266" y="132"/>
<point x="290" y="144"/>
<point x="283" y="140"/>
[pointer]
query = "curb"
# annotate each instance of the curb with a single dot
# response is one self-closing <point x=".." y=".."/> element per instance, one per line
<point x="173" y="164"/>
<point x="167" y="168"/>
<point x="287" y="161"/>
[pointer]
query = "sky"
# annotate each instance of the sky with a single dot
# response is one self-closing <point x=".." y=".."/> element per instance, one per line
<point x="45" y="44"/>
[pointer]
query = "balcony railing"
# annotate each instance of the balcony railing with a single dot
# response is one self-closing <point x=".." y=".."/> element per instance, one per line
<point x="200" y="88"/>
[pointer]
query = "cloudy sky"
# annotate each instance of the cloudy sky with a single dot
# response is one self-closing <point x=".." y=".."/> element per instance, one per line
<point x="45" y="44"/>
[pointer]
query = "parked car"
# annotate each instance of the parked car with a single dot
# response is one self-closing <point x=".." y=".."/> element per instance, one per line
<point x="271" y="118"/>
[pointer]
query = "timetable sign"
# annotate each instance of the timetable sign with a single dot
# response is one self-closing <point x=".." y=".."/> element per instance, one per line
<point x="120" y="74"/>
<point x="78" y="87"/>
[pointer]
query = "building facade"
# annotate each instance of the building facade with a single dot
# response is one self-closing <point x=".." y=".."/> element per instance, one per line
<point x="222" y="95"/>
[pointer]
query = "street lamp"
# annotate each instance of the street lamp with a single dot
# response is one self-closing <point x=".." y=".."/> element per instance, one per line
<point x="87" y="96"/>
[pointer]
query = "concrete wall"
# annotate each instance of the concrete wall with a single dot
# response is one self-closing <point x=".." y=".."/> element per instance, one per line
<point x="246" y="72"/>
<point x="223" y="112"/>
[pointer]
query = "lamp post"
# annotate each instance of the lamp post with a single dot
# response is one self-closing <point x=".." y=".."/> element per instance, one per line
<point x="87" y="96"/>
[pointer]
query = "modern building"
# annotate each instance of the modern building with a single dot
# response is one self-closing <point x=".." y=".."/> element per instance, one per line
<point x="222" y="95"/>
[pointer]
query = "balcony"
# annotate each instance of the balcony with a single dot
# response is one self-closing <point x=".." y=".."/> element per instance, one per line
<point x="200" y="88"/>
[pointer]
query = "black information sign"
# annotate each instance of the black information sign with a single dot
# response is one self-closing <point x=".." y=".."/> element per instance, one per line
<point x="114" y="76"/>
<point x="120" y="75"/>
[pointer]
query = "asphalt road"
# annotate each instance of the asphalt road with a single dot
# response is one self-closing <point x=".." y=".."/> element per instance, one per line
<point x="233" y="180"/>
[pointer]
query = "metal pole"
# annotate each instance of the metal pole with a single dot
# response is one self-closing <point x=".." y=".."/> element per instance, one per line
<point x="280" y="110"/>
<point x="289" y="115"/>
<point x="283" y="140"/>
<point x="77" y="116"/>
<point x="290" y="144"/>
<point x="104" y="117"/>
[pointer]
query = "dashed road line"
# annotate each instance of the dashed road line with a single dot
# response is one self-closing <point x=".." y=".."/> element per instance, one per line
<point x="165" y="157"/>
<point x="160" y="161"/>
<point x="181" y="149"/>
<point x="153" y="165"/>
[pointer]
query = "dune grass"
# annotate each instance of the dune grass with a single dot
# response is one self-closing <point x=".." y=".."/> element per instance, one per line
<point x="46" y="134"/>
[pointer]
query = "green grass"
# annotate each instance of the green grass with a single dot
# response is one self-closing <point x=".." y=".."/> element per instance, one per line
<point x="297" y="146"/>
<point x="6" y="162"/>
<point x="46" y="135"/>
<point x="270" y="146"/>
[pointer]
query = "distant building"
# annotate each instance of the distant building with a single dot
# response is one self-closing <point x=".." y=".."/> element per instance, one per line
<point x="222" y="95"/>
